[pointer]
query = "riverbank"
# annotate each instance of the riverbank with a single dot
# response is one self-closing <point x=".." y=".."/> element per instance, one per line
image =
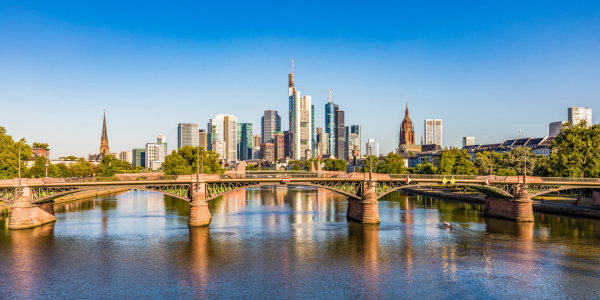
<point x="5" y="207"/>
<point x="557" y="208"/>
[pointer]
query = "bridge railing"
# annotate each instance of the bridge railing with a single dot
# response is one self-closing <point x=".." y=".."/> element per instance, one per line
<point x="566" y="179"/>
<point x="440" y="177"/>
<point x="106" y="179"/>
<point x="274" y="176"/>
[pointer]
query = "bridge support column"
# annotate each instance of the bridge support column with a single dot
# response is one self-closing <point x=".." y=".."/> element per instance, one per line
<point x="26" y="215"/>
<point x="365" y="210"/>
<point x="519" y="209"/>
<point x="47" y="207"/>
<point x="199" y="212"/>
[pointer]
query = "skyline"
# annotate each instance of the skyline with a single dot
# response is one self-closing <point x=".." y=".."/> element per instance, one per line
<point x="511" y="67"/>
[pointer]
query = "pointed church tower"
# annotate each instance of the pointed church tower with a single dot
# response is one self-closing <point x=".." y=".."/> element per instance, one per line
<point x="407" y="130"/>
<point x="104" y="139"/>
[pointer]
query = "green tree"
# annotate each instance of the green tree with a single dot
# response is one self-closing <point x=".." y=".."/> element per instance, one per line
<point x="184" y="161"/>
<point x="576" y="152"/>
<point x="425" y="168"/>
<point x="81" y="169"/>
<point x="40" y="145"/>
<point x="515" y="160"/>
<point x="70" y="157"/>
<point x="309" y="162"/>
<point x="9" y="154"/>
<point x="296" y="167"/>
<point x="366" y="164"/>
<point x="506" y="172"/>
<point x="456" y="162"/>
<point x="38" y="170"/>
<point x="335" y="165"/>
<point x="392" y="164"/>
<point x="109" y="166"/>
<point x="252" y="167"/>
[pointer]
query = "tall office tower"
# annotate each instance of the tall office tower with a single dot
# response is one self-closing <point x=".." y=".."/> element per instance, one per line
<point x="372" y="147"/>
<point x="187" y="135"/>
<point x="555" y="127"/>
<point x="138" y="157"/>
<point x="319" y="131"/>
<point x="202" y="139"/>
<point x="126" y="156"/>
<point x="162" y="140"/>
<point x="352" y="141"/>
<point x="340" y="141"/>
<point x="220" y="148"/>
<point x="224" y="129"/>
<point x="279" y="144"/>
<point x="468" y="141"/>
<point x="356" y="129"/>
<point x="330" y="124"/>
<point x="267" y="151"/>
<point x="323" y="143"/>
<point x="300" y="121"/>
<point x="578" y="114"/>
<point x="286" y="143"/>
<point x="256" y="141"/>
<point x="312" y="131"/>
<point x="407" y="130"/>
<point x="244" y="141"/>
<point x="433" y="132"/>
<point x="155" y="155"/>
<point x="269" y="123"/>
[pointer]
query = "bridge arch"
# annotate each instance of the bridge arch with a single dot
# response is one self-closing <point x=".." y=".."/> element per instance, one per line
<point x="40" y="194"/>
<point x="488" y="190"/>
<point x="349" y="189"/>
<point x="536" y="191"/>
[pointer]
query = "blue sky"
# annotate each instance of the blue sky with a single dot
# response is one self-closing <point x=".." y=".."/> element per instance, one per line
<point x="487" y="70"/>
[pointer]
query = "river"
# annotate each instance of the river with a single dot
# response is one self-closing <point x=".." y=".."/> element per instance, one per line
<point x="276" y="242"/>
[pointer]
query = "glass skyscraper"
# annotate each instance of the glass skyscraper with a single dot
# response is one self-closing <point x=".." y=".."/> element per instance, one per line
<point x="330" y="125"/>
<point x="244" y="141"/>
<point x="269" y="124"/>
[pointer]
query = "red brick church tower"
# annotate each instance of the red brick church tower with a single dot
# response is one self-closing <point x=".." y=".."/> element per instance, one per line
<point x="104" y="139"/>
<point x="407" y="130"/>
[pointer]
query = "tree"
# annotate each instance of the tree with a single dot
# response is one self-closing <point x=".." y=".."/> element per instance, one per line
<point x="366" y="164"/>
<point x="456" y="162"/>
<point x="425" y="168"/>
<point x="515" y="160"/>
<point x="38" y="170"/>
<point x="109" y="166"/>
<point x="252" y="167"/>
<point x="9" y="154"/>
<point x="576" y="152"/>
<point x="40" y="145"/>
<point x="184" y="161"/>
<point x="70" y="157"/>
<point x="392" y="164"/>
<point x="335" y="165"/>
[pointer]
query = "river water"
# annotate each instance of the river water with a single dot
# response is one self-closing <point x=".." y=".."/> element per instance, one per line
<point x="296" y="243"/>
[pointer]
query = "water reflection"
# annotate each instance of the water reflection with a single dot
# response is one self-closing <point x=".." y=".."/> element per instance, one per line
<point x="275" y="242"/>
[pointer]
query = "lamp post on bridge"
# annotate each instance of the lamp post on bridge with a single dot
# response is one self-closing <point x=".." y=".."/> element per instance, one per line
<point x="370" y="166"/>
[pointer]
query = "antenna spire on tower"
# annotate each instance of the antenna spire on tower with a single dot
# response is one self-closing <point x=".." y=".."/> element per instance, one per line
<point x="329" y="95"/>
<point x="292" y="66"/>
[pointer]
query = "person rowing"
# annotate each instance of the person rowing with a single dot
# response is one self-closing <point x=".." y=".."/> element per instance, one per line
<point x="448" y="225"/>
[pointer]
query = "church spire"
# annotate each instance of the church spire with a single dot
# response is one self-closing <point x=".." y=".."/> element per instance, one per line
<point x="406" y="112"/>
<point x="104" y="136"/>
<point x="104" y="140"/>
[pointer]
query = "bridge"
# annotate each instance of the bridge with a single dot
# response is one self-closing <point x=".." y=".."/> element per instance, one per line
<point x="32" y="200"/>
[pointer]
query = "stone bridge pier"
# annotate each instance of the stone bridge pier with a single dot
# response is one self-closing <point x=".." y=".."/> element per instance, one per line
<point x="199" y="212"/>
<point x="365" y="210"/>
<point x="26" y="215"/>
<point x="518" y="209"/>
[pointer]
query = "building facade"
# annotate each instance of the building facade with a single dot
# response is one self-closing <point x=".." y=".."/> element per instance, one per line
<point x="468" y="141"/>
<point x="155" y="155"/>
<point x="372" y="147"/>
<point x="279" y="145"/>
<point x="267" y="151"/>
<point x="187" y="135"/>
<point x="539" y="146"/>
<point x="138" y="157"/>
<point x="202" y="139"/>
<point x="433" y="132"/>
<point x="300" y="126"/>
<point x="270" y="122"/>
<point x="340" y="134"/>
<point x="224" y="129"/>
<point x="357" y="130"/>
<point x="126" y="156"/>
<point x="578" y="114"/>
<point x="555" y="127"/>
<point x="330" y="124"/>
<point x="244" y="141"/>
<point x="353" y="141"/>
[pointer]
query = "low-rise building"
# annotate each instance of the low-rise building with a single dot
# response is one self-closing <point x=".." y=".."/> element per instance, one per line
<point x="540" y="146"/>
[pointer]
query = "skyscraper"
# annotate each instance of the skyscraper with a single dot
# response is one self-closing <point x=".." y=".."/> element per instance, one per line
<point x="356" y="129"/>
<point x="269" y="123"/>
<point x="468" y="141"/>
<point x="279" y="145"/>
<point x="330" y="124"/>
<point x="202" y="139"/>
<point x="555" y="127"/>
<point x="224" y="129"/>
<point x="256" y="141"/>
<point x="138" y="156"/>
<point x="352" y="140"/>
<point x="244" y="141"/>
<point x="300" y="121"/>
<point x="372" y="147"/>
<point x="187" y="135"/>
<point x="312" y="131"/>
<point x="340" y="134"/>
<point x="433" y="132"/>
<point x="578" y="114"/>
